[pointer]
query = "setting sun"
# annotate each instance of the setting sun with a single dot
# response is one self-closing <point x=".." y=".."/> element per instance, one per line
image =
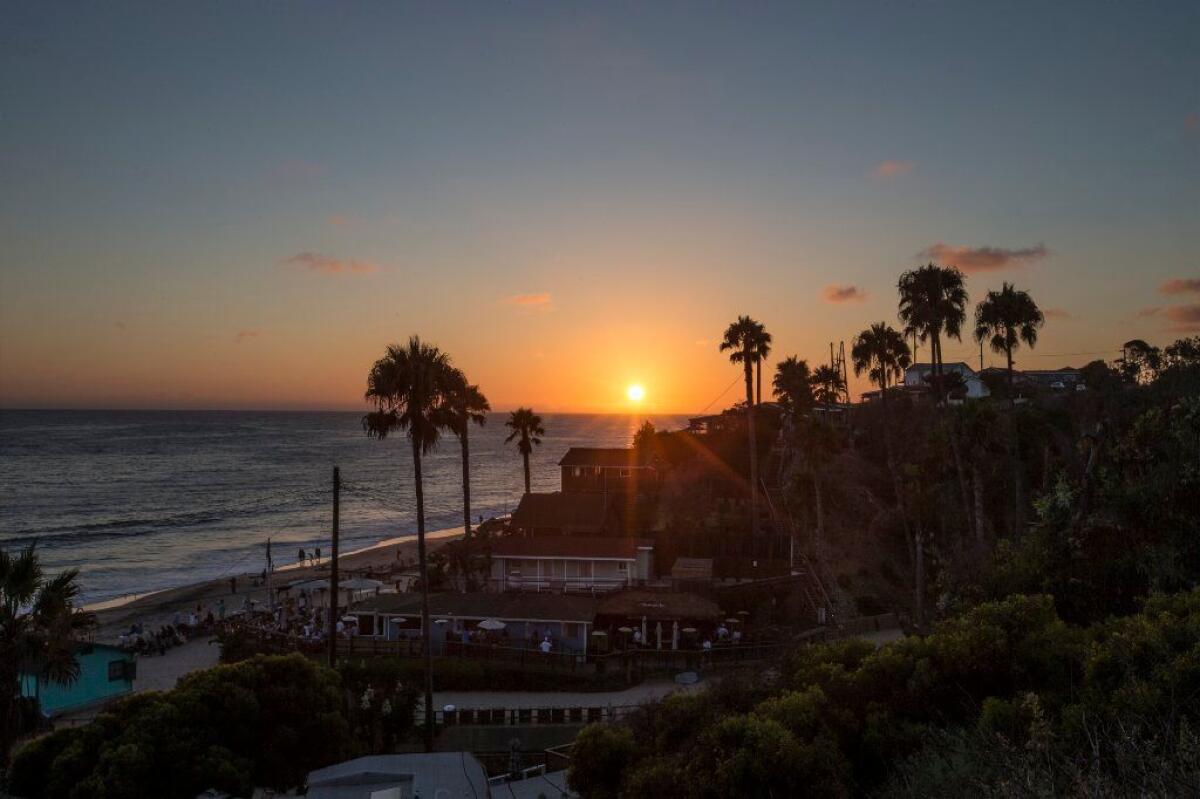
<point x="635" y="393"/>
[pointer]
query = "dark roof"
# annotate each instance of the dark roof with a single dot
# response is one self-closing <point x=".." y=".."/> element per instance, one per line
<point x="568" y="547"/>
<point x="612" y="457"/>
<point x="512" y="607"/>
<point x="655" y="605"/>
<point x="692" y="568"/>
<point x="583" y="513"/>
<point x="928" y="367"/>
<point x="431" y="774"/>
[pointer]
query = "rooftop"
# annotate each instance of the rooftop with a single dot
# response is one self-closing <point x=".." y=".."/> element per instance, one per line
<point x="659" y="605"/>
<point x="611" y="457"/>
<point x="569" y="547"/>
<point x="578" y="512"/>
<point x="506" y="607"/>
<point x="432" y="774"/>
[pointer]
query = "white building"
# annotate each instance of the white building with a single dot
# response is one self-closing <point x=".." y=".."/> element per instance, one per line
<point x="917" y="378"/>
<point x="570" y="563"/>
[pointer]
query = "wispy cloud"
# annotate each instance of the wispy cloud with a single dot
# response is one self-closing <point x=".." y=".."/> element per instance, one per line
<point x="1184" y="318"/>
<point x="242" y="335"/>
<point x="1056" y="313"/>
<point x="983" y="259"/>
<point x="893" y="169"/>
<point x="844" y="294"/>
<point x="534" y="301"/>
<point x="1181" y="285"/>
<point x="329" y="265"/>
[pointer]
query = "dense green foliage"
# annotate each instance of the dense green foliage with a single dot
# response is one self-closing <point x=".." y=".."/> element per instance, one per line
<point x="1007" y="691"/>
<point x="266" y="721"/>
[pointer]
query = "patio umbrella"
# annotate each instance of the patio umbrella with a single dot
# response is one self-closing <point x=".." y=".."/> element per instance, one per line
<point x="732" y="621"/>
<point x="674" y="635"/>
<point x="491" y="624"/>
<point x="689" y="630"/>
<point x="441" y="621"/>
<point x="624" y="629"/>
<point x="349" y="619"/>
<point x="743" y="613"/>
<point x="599" y="633"/>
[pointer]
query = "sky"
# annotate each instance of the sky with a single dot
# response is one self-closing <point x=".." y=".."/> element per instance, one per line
<point x="239" y="205"/>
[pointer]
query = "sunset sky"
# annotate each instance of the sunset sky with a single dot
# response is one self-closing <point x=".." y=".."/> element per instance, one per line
<point x="238" y="205"/>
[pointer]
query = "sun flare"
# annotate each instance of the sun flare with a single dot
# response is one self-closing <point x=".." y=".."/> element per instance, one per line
<point x="635" y="393"/>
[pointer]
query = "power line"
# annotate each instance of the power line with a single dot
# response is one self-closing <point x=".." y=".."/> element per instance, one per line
<point x="722" y="394"/>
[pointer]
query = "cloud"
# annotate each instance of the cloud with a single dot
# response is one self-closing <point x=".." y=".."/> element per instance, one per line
<point x="1181" y="285"/>
<point x="844" y="294"/>
<point x="983" y="259"/>
<point x="242" y="335"/>
<point x="1184" y="318"/>
<point x="1056" y="313"/>
<point x="536" y="301"/>
<point x="328" y="265"/>
<point x="893" y="169"/>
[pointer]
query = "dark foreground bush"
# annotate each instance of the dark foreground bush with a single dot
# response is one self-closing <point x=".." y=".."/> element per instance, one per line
<point x="264" y="722"/>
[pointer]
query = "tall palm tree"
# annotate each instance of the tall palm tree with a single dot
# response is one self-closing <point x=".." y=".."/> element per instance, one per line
<point x="742" y="341"/>
<point x="762" y="348"/>
<point x="1006" y="318"/>
<point x="465" y="405"/>
<point x="39" y="624"/>
<point x="527" y="430"/>
<point x="409" y="386"/>
<point x="829" y="385"/>
<point x="933" y="303"/>
<point x="793" y="384"/>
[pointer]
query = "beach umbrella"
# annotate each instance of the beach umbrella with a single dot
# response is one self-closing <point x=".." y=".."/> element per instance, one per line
<point x="674" y="635"/>
<point x="658" y="633"/>
<point x="743" y="613"/>
<point x="491" y="624"/>
<point x="732" y="621"/>
<point x="689" y="630"/>
<point x="350" y="619"/>
<point x="599" y="633"/>
<point x="441" y="621"/>
<point x="625" y="630"/>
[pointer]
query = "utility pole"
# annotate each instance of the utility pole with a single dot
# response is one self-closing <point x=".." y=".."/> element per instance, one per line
<point x="270" y="572"/>
<point x="981" y="355"/>
<point x="333" y="575"/>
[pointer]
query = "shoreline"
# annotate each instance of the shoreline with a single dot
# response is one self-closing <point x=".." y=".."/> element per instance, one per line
<point x="156" y="608"/>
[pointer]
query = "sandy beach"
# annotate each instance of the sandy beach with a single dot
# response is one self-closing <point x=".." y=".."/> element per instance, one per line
<point x="154" y="609"/>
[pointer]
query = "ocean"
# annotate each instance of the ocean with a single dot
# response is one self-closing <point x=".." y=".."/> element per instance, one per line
<point x="144" y="500"/>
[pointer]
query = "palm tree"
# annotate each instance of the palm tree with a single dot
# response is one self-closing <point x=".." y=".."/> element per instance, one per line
<point x="39" y="624"/>
<point x="882" y="353"/>
<point x="409" y="386"/>
<point x="933" y="302"/>
<point x="1006" y="318"/>
<point x="465" y="405"/>
<point x="793" y="384"/>
<point x="527" y="430"/>
<point x="829" y="384"/>
<point x="742" y="340"/>
<point x="762" y="348"/>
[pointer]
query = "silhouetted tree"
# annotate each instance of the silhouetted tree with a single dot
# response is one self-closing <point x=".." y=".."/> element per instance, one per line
<point x="742" y="341"/>
<point x="933" y="301"/>
<point x="409" y="387"/>
<point x="762" y="348"/>
<point x="793" y="384"/>
<point x="39" y="623"/>
<point x="465" y="406"/>
<point x="527" y="431"/>
<point x="829" y="385"/>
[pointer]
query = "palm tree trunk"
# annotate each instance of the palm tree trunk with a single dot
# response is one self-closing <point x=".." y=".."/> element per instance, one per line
<point x="525" y="458"/>
<point x="956" y="450"/>
<point x="1015" y="447"/>
<point x="939" y="388"/>
<point x="753" y="446"/>
<point x="466" y="469"/>
<point x="426" y="648"/>
<point x="758" y="369"/>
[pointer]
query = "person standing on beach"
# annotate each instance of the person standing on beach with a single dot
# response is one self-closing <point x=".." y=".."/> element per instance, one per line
<point x="318" y="556"/>
<point x="300" y="557"/>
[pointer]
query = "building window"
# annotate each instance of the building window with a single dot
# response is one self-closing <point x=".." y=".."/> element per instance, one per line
<point x="578" y="471"/>
<point x="622" y="566"/>
<point x="119" y="670"/>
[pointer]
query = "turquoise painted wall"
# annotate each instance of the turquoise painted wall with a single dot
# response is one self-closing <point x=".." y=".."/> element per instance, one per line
<point x="93" y="684"/>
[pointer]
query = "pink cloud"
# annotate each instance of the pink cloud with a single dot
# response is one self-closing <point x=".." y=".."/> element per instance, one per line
<point x="844" y="294"/>
<point x="1184" y="318"/>
<point x="1056" y="313"/>
<point x="328" y="265"/>
<point x="893" y="169"/>
<point x="537" y="301"/>
<point x="242" y="335"/>
<point x="983" y="259"/>
<point x="1181" y="285"/>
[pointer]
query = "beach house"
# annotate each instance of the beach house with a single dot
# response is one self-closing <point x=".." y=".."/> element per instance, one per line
<point x="105" y="673"/>
<point x="575" y="563"/>
<point x="609" y="470"/>
<point x="917" y="376"/>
